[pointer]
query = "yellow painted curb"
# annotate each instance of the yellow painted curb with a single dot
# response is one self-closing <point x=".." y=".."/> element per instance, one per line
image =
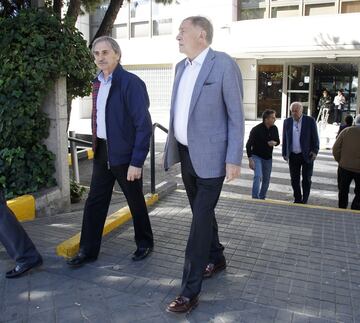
<point x="90" y="153"/>
<point x="23" y="207"/>
<point x="70" y="247"/>
<point x="285" y="203"/>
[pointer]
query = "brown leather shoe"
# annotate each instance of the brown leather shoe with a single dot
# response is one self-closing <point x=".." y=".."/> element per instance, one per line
<point x="212" y="269"/>
<point x="182" y="304"/>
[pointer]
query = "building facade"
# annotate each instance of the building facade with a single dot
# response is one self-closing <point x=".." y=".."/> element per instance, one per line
<point x="287" y="50"/>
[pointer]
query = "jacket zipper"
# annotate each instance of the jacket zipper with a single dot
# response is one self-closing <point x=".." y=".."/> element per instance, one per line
<point x="106" y="141"/>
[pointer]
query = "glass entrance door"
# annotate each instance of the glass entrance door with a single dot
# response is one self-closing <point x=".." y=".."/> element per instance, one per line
<point x="333" y="77"/>
<point x="270" y="83"/>
<point x="298" y="86"/>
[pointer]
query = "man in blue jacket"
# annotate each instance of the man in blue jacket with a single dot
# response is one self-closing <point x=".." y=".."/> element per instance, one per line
<point x="299" y="148"/>
<point x="121" y="126"/>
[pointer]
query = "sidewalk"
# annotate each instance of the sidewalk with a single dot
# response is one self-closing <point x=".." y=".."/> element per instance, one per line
<point x="286" y="263"/>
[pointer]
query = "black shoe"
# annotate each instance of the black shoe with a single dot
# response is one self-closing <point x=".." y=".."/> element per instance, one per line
<point x="18" y="270"/>
<point x="79" y="260"/>
<point x="141" y="253"/>
<point x="212" y="269"/>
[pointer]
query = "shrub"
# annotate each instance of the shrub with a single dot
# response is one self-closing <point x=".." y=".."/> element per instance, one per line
<point x="36" y="48"/>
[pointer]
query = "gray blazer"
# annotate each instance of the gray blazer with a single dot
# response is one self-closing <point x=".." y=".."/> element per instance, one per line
<point x="216" y="118"/>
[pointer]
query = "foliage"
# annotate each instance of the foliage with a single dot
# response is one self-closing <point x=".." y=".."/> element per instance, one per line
<point x="76" y="191"/>
<point x="36" y="48"/>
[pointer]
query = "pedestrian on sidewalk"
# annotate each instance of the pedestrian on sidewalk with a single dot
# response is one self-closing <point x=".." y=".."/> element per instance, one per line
<point x="206" y="136"/>
<point x="300" y="146"/>
<point x="259" y="148"/>
<point x="16" y="242"/>
<point x="346" y="151"/>
<point x="122" y="128"/>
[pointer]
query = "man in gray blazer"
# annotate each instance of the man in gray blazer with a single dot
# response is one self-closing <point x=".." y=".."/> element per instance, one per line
<point x="16" y="242"/>
<point x="206" y="136"/>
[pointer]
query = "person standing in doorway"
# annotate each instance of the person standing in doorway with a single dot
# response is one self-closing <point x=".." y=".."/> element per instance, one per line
<point x="346" y="151"/>
<point x="206" y="136"/>
<point x="324" y="107"/>
<point x="300" y="146"/>
<point x="259" y="147"/>
<point x="339" y="104"/>
<point x="122" y="128"/>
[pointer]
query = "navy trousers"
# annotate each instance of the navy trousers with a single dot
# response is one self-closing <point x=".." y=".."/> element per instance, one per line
<point x="298" y="166"/>
<point x="98" y="201"/>
<point x="203" y="244"/>
<point x="14" y="238"/>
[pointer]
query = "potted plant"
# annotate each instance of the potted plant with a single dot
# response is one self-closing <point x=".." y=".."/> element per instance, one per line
<point x="76" y="191"/>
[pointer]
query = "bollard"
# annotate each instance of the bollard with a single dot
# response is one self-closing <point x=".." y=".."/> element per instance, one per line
<point x="74" y="158"/>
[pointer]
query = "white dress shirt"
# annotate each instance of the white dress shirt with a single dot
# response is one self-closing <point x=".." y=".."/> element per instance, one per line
<point x="101" y="104"/>
<point x="184" y="95"/>
<point x="296" y="147"/>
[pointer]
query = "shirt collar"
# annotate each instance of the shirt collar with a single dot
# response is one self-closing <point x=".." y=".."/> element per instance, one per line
<point x="300" y="120"/>
<point x="102" y="79"/>
<point x="199" y="60"/>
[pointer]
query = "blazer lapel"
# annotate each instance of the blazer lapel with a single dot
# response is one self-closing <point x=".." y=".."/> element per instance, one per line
<point x="178" y="73"/>
<point x="204" y="72"/>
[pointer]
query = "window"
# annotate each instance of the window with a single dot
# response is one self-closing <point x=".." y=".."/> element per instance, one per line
<point x="348" y="7"/>
<point x="319" y="9"/>
<point x="251" y="9"/>
<point x="162" y="27"/>
<point x="120" y="31"/>
<point x="139" y="29"/>
<point x="284" y="11"/>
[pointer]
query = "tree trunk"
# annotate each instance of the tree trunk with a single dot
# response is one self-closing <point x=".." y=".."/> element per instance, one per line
<point x="57" y="7"/>
<point x="109" y="18"/>
<point x="73" y="10"/>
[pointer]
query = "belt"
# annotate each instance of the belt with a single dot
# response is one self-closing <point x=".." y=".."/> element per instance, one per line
<point x="183" y="147"/>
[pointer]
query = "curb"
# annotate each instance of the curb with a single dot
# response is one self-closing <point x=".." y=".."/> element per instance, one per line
<point x="285" y="203"/>
<point x="23" y="207"/>
<point x="70" y="247"/>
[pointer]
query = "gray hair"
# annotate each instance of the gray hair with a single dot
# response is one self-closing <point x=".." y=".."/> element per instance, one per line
<point x="296" y="104"/>
<point x="357" y="120"/>
<point x="204" y="24"/>
<point x="111" y="41"/>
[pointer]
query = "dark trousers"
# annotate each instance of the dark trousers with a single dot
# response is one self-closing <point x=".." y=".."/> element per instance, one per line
<point x="297" y="166"/>
<point x="337" y="114"/>
<point x="14" y="238"/>
<point x="345" y="178"/>
<point x="203" y="245"/>
<point x="98" y="201"/>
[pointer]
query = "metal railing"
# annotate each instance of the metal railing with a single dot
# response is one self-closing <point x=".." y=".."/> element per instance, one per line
<point x="73" y="152"/>
<point x="152" y="155"/>
<point x="75" y="163"/>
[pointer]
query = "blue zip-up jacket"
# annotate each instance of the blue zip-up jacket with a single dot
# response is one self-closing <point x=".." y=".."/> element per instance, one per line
<point x="127" y="119"/>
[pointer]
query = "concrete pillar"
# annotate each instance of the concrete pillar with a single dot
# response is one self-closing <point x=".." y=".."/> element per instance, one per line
<point x="57" y="199"/>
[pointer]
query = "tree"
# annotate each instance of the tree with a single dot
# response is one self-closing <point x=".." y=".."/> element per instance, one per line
<point x="12" y="7"/>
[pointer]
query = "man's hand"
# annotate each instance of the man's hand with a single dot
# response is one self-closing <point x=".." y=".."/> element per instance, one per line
<point x="133" y="173"/>
<point x="312" y="156"/>
<point x="232" y="171"/>
<point x="251" y="164"/>
<point x="286" y="159"/>
<point x="272" y="143"/>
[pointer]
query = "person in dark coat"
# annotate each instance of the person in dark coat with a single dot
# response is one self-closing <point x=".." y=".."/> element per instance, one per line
<point x="16" y="242"/>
